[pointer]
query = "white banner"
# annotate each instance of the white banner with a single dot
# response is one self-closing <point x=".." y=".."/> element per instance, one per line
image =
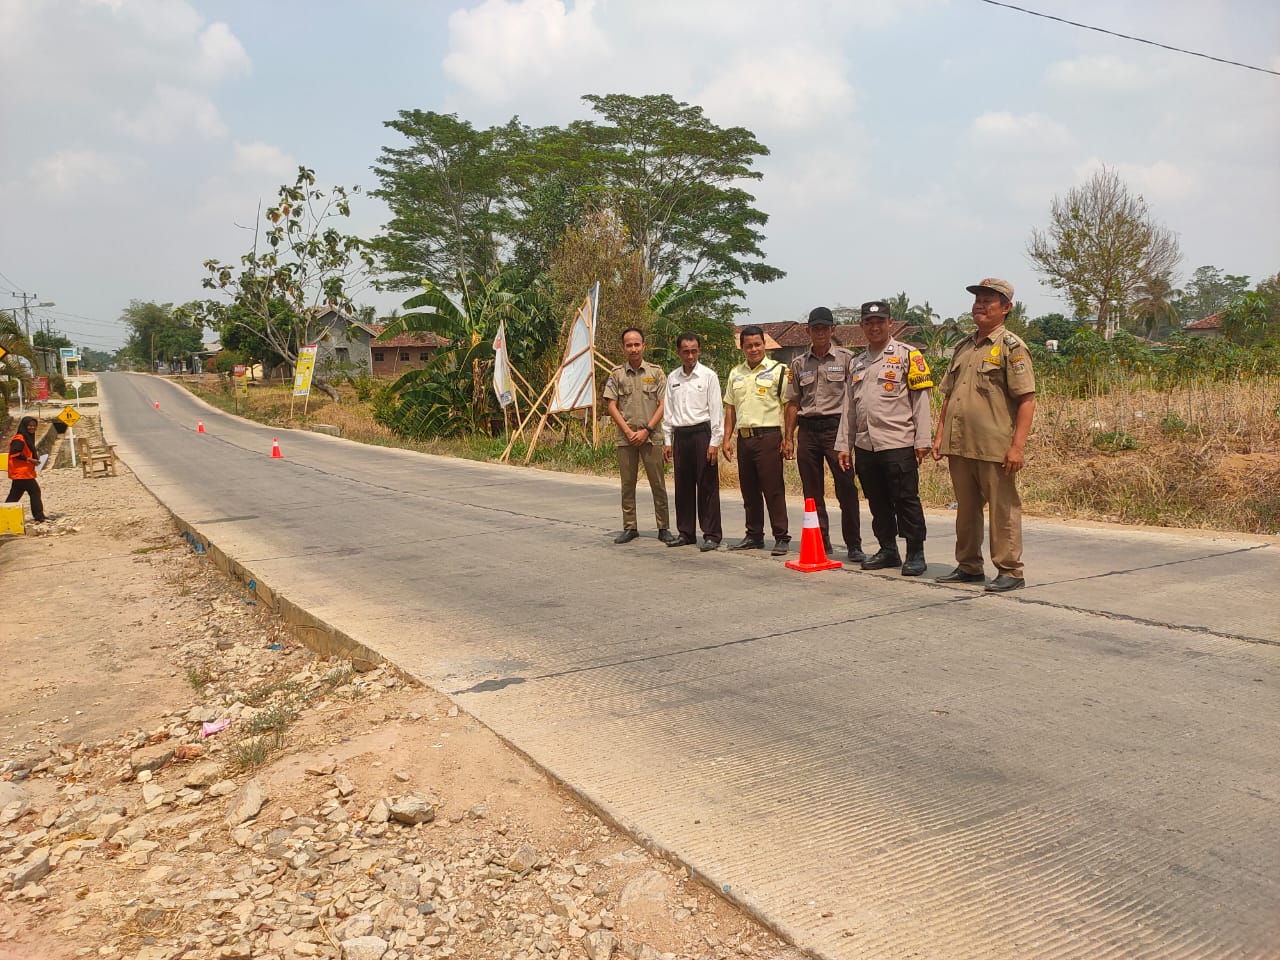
<point x="576" y="382"/>
<point x="502" y="385"/>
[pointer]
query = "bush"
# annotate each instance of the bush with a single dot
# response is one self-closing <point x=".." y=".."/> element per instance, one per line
<point x="1113" y="441"/>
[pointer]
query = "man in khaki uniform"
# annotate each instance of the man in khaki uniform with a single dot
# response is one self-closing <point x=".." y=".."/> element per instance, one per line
<point x="990" y="402"/>
<point x="635" y="393"/>
<point x="753" y="407"/>
<point x="816" y="396"/>
<point x="888" y="428"/>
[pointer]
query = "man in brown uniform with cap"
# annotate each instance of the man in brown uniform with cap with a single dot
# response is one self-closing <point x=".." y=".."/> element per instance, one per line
<point x="990" y="392"/>
<point x="816" y="396"/>
<point x="889" y="429"/>
<point x="635" y="394"/>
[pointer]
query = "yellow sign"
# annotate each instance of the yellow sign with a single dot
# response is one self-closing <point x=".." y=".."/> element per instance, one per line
<point x="3" y="351"/>
<point x="70" y="416"/>
<point x="302" y="372"/>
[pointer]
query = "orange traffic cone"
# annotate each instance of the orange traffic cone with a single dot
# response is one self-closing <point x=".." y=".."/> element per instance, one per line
<point x="813" y="555"/>
<point x="157" y="404"/>
<point x="275" y="450"/>
<point x="199" y="426"/>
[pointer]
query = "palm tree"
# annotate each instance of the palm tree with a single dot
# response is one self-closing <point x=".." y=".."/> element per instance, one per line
<point x="1153" y="308"/>
<point x="15" y="348"/>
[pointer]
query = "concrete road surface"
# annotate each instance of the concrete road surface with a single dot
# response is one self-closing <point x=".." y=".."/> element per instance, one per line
<point x="878" y="767"/>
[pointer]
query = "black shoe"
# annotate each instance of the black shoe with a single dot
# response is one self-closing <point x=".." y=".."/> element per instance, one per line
<point x="749" y="543"/>
<point x="708" y="546"/>
<point x="780" y="548"/>
<point x="626" y="536"/>
<point x="882" y="559"/>
<point x="915" y="564"/>
<point x="680" y="541"/>
<point x="666" y="536"/>
<point x="960" y="576"/>
<point x="856" y="555"/>
<point x="1005" y="583"/>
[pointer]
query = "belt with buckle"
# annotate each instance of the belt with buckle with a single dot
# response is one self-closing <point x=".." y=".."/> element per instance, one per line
<point x="757" y="431"/>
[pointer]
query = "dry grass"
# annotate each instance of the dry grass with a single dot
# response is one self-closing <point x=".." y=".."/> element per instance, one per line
<point x="1203" y="455"/>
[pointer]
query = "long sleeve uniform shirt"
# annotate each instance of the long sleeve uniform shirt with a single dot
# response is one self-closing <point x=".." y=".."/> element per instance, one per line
<point x="888" y="405"/>
<point x="693" y="399"/>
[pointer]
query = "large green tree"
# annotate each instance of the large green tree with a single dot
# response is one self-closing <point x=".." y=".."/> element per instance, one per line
<point x="467" y="201"/>
<point x="1209" y="291"/>
<point x="1102" y="244"/>
<point x="300" y="266"/>
<point x="159" y="333"/>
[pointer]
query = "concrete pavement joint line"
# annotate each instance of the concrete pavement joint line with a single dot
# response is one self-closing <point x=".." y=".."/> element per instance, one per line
<point x="487" y="686"/>
<point x="1147" y="622"/>
<point x="1157" y="566"/>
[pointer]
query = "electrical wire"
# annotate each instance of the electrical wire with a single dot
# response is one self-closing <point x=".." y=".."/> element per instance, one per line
<point x="1125" y="36"/>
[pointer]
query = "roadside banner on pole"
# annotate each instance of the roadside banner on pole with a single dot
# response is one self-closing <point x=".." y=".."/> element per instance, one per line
<point x="302" y="373"/>
<point x="575" y="381"/>
<point x="502" y="385"/>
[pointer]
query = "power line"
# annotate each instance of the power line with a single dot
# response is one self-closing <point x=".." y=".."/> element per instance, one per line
<point x="1125" y="36"/>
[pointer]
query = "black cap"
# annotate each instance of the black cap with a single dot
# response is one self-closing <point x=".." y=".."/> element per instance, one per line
<point x="876" y="308"/>
<point x="821" y="317"/>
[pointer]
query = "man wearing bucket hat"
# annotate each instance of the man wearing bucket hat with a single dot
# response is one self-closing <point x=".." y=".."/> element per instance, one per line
<point x="990" y="400"/>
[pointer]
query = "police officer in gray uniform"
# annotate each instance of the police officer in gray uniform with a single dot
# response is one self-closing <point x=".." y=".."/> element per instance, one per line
<point x="888" y="429"/>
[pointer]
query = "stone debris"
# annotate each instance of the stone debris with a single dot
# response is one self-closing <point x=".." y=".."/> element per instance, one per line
<point x="263" y="844"/>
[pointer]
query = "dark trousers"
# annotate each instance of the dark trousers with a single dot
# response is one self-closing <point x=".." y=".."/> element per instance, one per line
<point x="32" y="489"/>
<point x="697" y="483"/>
<point x="891" y="483"/>
<point x="816" y="445"/>
<point x="760" y="477"/>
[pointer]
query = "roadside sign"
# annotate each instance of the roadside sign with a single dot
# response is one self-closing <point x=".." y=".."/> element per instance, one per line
<point x="3" y="351"/>
<point x="42" y="388"/>
<point x="69" y="415"/>
<point x="302" y="374"/>
<point x="69" y="354"/>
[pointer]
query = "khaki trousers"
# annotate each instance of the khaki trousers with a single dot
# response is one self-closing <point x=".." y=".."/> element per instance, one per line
<point x="629" y="460"/>
<point x="979" y="483"/>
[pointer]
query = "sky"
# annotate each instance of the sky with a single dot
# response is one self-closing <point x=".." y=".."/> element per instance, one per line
<point x="914" y="144"/>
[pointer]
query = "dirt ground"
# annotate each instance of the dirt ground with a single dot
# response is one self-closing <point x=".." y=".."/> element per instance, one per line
<point x="336" y="814"/>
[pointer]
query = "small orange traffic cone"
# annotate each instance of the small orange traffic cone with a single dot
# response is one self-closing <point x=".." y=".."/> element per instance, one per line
<point x="275" y="450"/>
<point x="813" y="555"/>
<point x="199" y="426"/>
<point x="157" y="404"/>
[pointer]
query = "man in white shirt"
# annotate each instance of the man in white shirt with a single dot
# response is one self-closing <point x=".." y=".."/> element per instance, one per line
<point x="692" y="431"/>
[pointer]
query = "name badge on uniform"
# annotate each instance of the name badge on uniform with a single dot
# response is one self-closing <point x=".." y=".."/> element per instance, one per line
<point x="891" y="375"/>
<point x="650" y="380"/>
<point x="892" y="360"/>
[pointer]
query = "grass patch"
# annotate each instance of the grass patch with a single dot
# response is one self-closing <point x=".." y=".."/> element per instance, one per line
<point x="254" y="751"/>
<point x="199" y="678"/>
<point x="261" y="694"/>
<point x="274" y="719"/>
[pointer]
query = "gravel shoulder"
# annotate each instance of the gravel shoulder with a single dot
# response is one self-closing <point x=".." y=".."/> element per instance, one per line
<point x="333" y="814"/>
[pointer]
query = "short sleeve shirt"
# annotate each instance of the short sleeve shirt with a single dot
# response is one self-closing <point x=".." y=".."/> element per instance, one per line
<point x="638" y="393"/>
<point x="818" y="384"/>
<point x="755" y="393"/>
<point x="982" y="386"/>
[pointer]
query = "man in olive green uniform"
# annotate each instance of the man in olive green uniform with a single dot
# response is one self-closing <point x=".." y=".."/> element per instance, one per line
<point x="990" y="392"/>
<point x="753" y="408"/>
<point x="816" y="396"/>
<point x="887" y="429"/>
<point x="635" y="393"/>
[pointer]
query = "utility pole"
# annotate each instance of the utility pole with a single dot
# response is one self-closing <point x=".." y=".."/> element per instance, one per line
<point x="26" y="312"/>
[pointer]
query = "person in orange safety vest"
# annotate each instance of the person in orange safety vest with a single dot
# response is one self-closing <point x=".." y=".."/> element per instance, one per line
<point x="22" y="468"/>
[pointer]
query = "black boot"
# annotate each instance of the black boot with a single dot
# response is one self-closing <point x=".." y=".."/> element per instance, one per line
<point x="882" y="559"/>
<point x="915" y="564"/>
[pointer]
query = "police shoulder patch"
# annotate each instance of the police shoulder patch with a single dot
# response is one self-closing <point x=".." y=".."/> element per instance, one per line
<point x="1010" y="340"/>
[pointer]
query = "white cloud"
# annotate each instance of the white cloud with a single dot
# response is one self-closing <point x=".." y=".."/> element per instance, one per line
<point x="1161" y="181"/>
<point x="1101" y="73"/>
<point x="781" y="89"/>
<point x="68" y="171"/>
<point x="221" y="54"/>
<point x="171" y="115"/>
<point x="262" y="158"/>
<point x="501" y="47"/>
<point x="1029" y="130"/>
